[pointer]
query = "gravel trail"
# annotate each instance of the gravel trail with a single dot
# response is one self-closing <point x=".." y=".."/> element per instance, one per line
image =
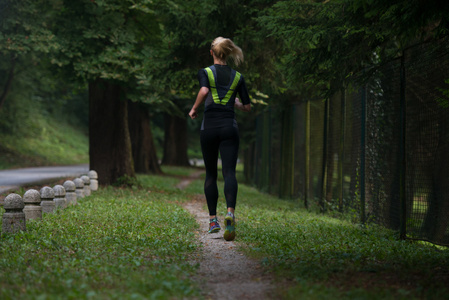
<point x="225" y="272"/>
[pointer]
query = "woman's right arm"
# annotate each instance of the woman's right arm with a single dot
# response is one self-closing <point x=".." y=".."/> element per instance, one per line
<point x="202" y="94"/>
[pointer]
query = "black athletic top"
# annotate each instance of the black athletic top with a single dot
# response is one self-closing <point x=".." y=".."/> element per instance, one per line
<point x="221" y="113"/>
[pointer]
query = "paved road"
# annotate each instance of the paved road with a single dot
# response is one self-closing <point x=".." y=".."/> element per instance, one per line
<point x="11" y="179"/>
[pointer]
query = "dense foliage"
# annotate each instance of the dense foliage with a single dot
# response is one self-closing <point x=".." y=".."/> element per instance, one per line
<point x="325" y="42"/>
<point x="157" y="46"/>
<point x="115" y="244"/>
<point x="153" y="49"/>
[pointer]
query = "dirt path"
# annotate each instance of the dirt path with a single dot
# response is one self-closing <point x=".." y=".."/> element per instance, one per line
<point x="225" y="273"/>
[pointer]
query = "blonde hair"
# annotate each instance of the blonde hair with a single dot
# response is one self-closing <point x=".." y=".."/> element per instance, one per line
<point x="224" y="48"/>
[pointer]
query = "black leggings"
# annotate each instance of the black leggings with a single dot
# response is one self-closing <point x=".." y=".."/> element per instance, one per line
<point x="225" y="140"/>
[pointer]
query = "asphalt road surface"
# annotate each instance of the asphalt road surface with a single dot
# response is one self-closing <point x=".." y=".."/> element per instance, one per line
<point x="12" y="179"/>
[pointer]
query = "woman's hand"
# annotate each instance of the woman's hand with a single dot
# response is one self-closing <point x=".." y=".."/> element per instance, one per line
<point x="193" y="114"/>
<point x="239" y="105"/>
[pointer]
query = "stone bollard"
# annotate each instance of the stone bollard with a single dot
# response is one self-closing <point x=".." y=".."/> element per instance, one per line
<point x="33" y="208"/>
<point x="47" y="203"/>
<point x="86" y="181"/>
<point x="60" y="200"/>
<point x="93" y="180"/>
<point x="14" y="217"/>
<point x="79" y="184"/>
<point x="70" y="194"/>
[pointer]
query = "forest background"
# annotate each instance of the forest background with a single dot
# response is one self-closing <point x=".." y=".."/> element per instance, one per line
<point x="120" y="76"/>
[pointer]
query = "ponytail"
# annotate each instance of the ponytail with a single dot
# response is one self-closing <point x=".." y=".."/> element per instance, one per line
<point x="224" y="48"/>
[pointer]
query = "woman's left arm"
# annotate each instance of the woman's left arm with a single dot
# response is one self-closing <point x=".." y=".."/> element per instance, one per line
<point x="244" y="103"/>
<point x="243" y="107"/>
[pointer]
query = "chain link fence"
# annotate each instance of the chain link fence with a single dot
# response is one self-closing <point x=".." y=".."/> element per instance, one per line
<point x="378" y="149"/>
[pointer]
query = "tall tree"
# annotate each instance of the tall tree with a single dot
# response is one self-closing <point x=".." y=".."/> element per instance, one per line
<point x="142" y="142"/>
<point x="175" y="140"/>
<point x="109" y="139"/>
<point x="104" y="42"/>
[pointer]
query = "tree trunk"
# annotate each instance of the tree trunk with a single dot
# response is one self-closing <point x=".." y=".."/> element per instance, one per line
<point x="8" y="83"/>
<point x="175" y="144"/>
<point x="109" y="141"/>
<point x="142" y="143"/>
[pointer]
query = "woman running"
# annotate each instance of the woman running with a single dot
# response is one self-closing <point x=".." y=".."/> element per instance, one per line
<point x="219" y="85"/>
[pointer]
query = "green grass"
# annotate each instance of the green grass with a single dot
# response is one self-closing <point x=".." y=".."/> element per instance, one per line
<point x="50" y="142"/>
<point x="116" y="244"/>
<point x="136" y="243"/>
<point x="178" y="171"/>
<point x="328" y="257"/>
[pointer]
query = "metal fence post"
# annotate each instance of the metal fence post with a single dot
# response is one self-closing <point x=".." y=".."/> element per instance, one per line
<point x="324" y="166"/>
<point x="362" y="156"/>
<point x="288" y="153"/>
<point x="265" y="153"/>
<point x="342" y="148"/>
<point x="402" y="149"/>
<point x="307" y="156"/>
<point x="293" y="123"/>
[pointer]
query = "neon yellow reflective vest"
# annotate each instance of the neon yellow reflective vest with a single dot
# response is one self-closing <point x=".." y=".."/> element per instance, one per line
<point x="213" y="87"/>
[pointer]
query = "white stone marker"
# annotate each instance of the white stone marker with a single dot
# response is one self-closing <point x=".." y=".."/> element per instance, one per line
<point x="33" y="208"/>
<point x="70" y="194"/>
<point x="86" y="181"/>
<point x="14" y="217"/>
<point x="79" y="184"/>
<point x="93" y="180"/>
<point x="47" y="203"/>
<point x="60" y="200"/>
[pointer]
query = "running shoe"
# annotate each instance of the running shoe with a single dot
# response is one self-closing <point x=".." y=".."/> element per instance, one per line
<point x="214" y="226"/>
<point x="229" y="233"/>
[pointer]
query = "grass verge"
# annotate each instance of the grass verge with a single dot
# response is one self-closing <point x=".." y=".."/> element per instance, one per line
<point x="136" y="243"/>
<point x="51" y="143"/>
<point x="116" y="244"/>
<point x="323" y="257"/>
